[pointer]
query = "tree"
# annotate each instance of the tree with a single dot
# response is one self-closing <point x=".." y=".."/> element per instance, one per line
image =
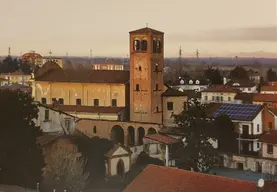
<point x="9" y="65"/>
<point x="21" y="160"/>
<point x="271" y="75"/>
<point x="25" y="67"/>
<point x="198" y="154"/>
<point x="64" y="170"/>
<point x="239" y="73"/>
<point x="214" y="76"/>
<point x="226" y="134"/>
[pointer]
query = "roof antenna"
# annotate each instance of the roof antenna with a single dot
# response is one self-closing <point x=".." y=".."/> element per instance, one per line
<point x="9" y="52"/>
<point x="146" y="25"/>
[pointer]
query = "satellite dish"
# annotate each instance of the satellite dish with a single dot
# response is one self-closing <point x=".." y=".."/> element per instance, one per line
<point x="260" y="183"/>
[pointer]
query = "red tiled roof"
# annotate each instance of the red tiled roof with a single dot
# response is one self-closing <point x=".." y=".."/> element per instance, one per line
<point x="85" y="76"/>
<point x="221" y="88"/>
<point x="265" y="97"/>
<point x="162" y="138"/>
<point x="269" y="137"/>
<point x="273" y="110"/>
<point x="165" y="179"/>
<point x="146" y="30"/>
<point x="269" y="88"/>
<point x="170" y="92"/>
<point x="87" y="109"/>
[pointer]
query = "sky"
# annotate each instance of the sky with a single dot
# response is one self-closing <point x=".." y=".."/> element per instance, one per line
<point x="215" y="27"/>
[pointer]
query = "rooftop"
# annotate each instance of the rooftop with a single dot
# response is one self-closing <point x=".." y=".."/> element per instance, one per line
<point x="170" y="92"/>
<point x="146" y="30"/>
<point x="164" y="179"/>
<point x="87" y="109"/>
<point x="221" y="89"/>
<point x="269" y="137"/>
<point x="245" y="97"/>
<point x="269" y="88"/>
<point x="162" y="138"/>
<point x="265" y="97"/>
<point x="241" y="83"/>
<point x="84" y="76"/>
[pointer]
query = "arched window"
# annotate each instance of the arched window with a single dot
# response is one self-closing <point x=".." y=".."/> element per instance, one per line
<point x="139" y="68"/>
<point x="159" y="47"/>
<point x="144" y="45"/>
<point x="94" y="129"/>
<point x="137" y="45"/>
<point x="154" y="46"/>
<point x="137" y="87"/>
<point x="156" y="67"/>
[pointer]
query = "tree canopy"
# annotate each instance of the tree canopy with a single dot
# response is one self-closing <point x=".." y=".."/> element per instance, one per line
<point x="239" y="73"/>
<point x="9" y="65"/>
<point x="21" y="160"/>
<point x="271" y="75"/>
<point x="214" y="76"/>
<point x="198" y="154"/>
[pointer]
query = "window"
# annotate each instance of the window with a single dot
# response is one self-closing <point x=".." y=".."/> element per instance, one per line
<point x="258" y="128"/>
<point x="94" y="129"/>
<point x="43" y="100"/>
<point x="206" y="98"/>
<point x="61" y="101"/>
<point x="270" y="125"/>
<point x="269" y="148"/>
<point x="159" y="47"/>
<point x="136" y="45"/>
<point x="170" y="106"/>
<point x="157" y="109"/>
<point x="96" y="102"/>
<point x="114" y="102"/>
<point x="137" y="87"/>
<point x="139" y="68"/>
<point x="144" y="45"/>
<point x="157" y="87"/>
<point x="54" y="100"/>
<point x="258" y="145"/>
<point x="213" y="98"/>
<point x="229" y="98"/>
<point x="250" y="146"/>
<point x="78" y="102"/>
<point x="46" y="115"/>
<point x="156" y="67"/>
<point x="154" y="44"/>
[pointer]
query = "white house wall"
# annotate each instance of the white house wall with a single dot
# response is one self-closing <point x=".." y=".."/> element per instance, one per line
<point x="114" y="161"/>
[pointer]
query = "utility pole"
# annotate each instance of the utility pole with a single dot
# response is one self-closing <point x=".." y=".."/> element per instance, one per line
<point x="197" y="54"/>
<point x="180" y="61"/>
<point x="9" y="52"/>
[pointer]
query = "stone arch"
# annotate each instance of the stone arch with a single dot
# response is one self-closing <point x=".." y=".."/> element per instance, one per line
<point x="120" y="168"/>
<point x="141" y="133"/>
<point x="117" y="134"/>
<point x="131" y="136"/>
<point x="151" y="131"/>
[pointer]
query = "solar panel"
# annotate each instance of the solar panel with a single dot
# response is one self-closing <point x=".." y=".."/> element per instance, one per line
<point x="244" y="112"/>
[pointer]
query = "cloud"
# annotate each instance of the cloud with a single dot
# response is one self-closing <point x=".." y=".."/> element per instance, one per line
<point x="240" y="34"/>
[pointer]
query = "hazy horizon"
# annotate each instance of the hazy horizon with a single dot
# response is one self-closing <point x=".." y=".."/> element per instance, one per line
<point x="215" y="27"/>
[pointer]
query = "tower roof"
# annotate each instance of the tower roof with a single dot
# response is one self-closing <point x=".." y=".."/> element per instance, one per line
<point x="146" y="30"/>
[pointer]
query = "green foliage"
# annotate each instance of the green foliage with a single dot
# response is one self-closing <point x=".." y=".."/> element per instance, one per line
<point x="9" y="65"/>
<point x="198" y="154"/>
<point x="94" y="150"/>
<point x="226" y="134"/>
<point x="21" y="160"/>
<point x="271" y="75"/>
<point x="214" y="76"/>
<point x="239" y="73"/>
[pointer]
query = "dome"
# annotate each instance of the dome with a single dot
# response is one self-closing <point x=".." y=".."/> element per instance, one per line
<point x="31" y="56"/>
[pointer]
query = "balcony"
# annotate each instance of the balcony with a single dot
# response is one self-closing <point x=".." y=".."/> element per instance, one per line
<point x="249" y="136"/>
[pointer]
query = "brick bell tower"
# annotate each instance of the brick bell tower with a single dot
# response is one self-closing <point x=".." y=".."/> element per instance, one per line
<point x="146" y="75"/>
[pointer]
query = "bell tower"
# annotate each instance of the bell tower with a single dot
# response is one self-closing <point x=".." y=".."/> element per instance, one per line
<point x="146" y="75"/>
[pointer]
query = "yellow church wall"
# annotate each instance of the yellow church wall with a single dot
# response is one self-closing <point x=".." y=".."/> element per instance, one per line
<point x="87" y="92"/>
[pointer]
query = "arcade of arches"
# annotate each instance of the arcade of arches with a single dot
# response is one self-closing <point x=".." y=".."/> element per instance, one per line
<point x="127" y="133"/>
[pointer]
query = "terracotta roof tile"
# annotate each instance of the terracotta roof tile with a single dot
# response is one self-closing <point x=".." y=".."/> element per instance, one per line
<point x="265" y="97"/>
<point x="146" y="30"/>
<point x="164" y="179"/>
<point x="170" y="92"/>
<point x="221" y="88"/>
<point x="85" y="76"/>
<point x="269" y="137"/>
<point x="273" y="110"/>
<point x="87" y="109"/>
<point x="162" y="138"/>
<point x="269" y="88"/>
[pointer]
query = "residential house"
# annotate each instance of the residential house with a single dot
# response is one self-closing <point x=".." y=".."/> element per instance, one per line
<point x="3" y="81"/>
<point x="174" y="103"/>
<point x="273" y="111"/>
<point x="245" y="86"/>
<point x="246" y="98"/>
<point x="269" y="89"/>
<point x="17" y="77"/>
<point x="255" y="76"/>
<point x="52" y="120"/>
<point x="107" y="66"/>
<point x="219" y="94"/>
<point x="268" y="99"/>
<point x="197" y="84"/>
<point x="171" y="179"/>
<point x="248" y="121"/>
<point x="17" y="87"/>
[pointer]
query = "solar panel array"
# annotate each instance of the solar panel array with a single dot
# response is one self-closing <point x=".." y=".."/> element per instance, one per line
<point x="243" y="112"/>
